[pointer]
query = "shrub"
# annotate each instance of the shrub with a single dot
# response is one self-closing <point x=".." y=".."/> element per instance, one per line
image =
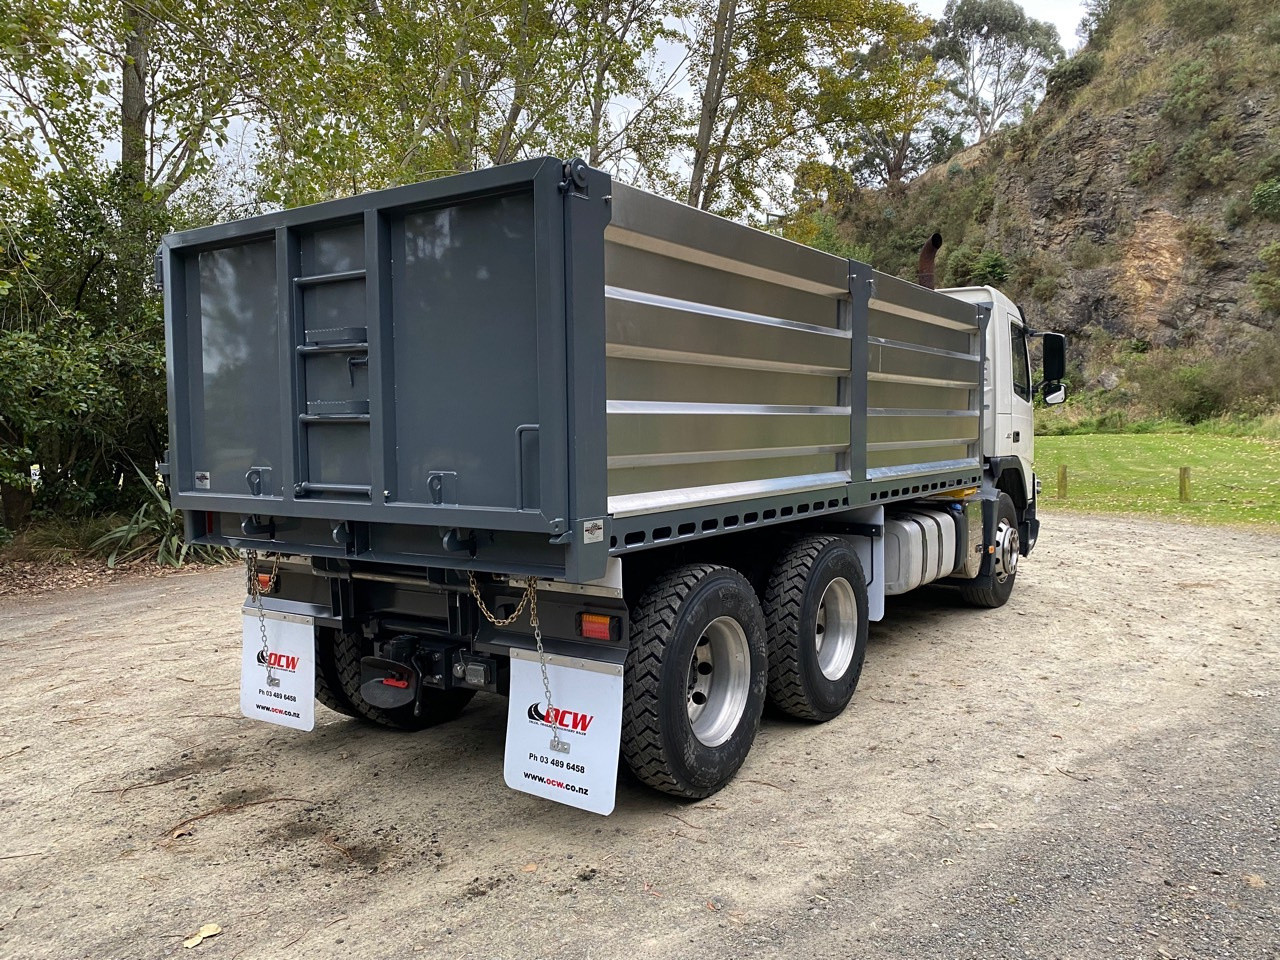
<point x="1270" y="30"/>
<point x="1068" y="76"/>
<point x="1202" y="18"/>
<point x="990" y="268"/>
<point x="1265" y="201"/>
<point x="1147" y="163"/>
<point x="1236" y="212"/>
<point x="1203" y="161"/>
<point x="1204" y="244"/>
<point x="1266" y="283"/>
<point x="1087" y="254"/>
<point x="1193" y="92"/>
<point x="1173" y="386"/>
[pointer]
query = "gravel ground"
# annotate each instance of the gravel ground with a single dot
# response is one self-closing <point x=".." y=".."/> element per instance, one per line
<point x="1091" y="771"/>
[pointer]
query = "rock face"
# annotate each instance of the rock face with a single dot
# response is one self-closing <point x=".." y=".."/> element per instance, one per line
<point x="1143" y="261"/>
<point x="1123" y="207"/>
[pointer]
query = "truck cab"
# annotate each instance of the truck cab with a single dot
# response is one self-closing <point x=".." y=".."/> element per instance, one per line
<point x="1008" y="433"/>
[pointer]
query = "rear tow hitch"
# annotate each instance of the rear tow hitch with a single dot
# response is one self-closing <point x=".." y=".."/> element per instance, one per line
<point x="401" y="668"/>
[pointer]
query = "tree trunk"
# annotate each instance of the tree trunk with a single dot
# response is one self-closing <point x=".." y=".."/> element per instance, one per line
<point x="712" y="93"/>
<point x="15" y="505"/>
<point x="133" y="160"/>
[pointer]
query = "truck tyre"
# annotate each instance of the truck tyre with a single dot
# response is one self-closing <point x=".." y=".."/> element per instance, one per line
<point x="327" y="690"/>
<point x="438" y="706"/>
<point x="695" y="679"/>
<point x="993" y="589"/>
<point x="815" y="614"/>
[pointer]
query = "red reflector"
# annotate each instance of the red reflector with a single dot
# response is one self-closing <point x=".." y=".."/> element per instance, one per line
<point x="392" y="682"/>
<point x="264" y="583"/>
<point x="595" y="626"/>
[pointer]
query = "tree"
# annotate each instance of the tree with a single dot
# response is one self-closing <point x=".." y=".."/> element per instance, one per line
<point x="774" y="77"/>
<point x="395" y="91"/>
<point x="80" y="331"/>
<point x="922" y="131"/>
<point x="997" y="58"/>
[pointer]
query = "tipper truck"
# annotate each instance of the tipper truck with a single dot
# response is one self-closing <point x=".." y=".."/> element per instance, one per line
<point x="534" y="432"/>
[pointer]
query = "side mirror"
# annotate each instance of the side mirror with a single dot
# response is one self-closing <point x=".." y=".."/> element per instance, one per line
<point x="1054" y="393"/>
<point x="1055" y="357"/>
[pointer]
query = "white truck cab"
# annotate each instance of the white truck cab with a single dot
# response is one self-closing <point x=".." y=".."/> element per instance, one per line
<point x="1008" y="436"/>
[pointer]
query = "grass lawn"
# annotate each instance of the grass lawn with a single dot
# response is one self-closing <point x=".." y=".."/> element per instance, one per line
<point x="1234" y="480"/>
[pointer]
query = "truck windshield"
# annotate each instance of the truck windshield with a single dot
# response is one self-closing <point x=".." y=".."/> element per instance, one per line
<point x="1021" y="363"/>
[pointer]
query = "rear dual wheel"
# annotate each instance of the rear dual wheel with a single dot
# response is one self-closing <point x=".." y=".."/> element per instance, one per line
<point x="815" y="607"/>
<point x="695" y="680"/>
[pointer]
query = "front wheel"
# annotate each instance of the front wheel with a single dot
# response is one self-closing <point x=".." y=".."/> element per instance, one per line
<point x="695" y="680"/>
<point x="994" y="588"/>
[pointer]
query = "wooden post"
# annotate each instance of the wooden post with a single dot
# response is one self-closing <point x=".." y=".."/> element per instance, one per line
<point x="1062" y="481"/>
<point x="1184" y="484"/>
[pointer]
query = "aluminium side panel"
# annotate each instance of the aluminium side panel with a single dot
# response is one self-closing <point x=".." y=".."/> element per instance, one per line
<point x="923" y="384"/>
<point x="729" y="356"/>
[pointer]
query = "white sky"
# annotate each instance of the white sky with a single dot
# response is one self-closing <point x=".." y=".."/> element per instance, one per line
<point x="1064" y="14"/>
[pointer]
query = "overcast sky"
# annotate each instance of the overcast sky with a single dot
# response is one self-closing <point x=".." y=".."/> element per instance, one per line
<point x="1063" y="14"/>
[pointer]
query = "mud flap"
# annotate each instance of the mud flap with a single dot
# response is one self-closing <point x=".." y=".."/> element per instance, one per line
<point x="585" y="716"/>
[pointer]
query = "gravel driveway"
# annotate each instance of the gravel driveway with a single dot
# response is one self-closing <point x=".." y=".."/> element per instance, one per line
<point x="1091" y="771"/>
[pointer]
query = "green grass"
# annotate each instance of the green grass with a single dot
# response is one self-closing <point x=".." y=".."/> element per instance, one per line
<point x="1234" y="480"/>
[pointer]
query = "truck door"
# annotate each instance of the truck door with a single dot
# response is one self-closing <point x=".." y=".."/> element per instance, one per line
<point x="1021" y="439"/>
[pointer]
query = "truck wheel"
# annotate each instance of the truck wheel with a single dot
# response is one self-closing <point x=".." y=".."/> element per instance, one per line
<point x="327" y="690"/>
<point x="438" y="706"/>
<point x="993" y="589"/>
<point x="695" y="680"/>
<point x="815" y="610"/>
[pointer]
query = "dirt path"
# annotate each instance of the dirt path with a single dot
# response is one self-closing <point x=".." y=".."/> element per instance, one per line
<point x="1092" y="771"/>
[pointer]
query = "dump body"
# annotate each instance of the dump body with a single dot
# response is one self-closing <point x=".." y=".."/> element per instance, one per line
<point x="522" y="371"/>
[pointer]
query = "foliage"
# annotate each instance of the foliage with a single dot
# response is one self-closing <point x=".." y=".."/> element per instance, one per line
<point x="155" y="531"/>
<point x="922" y="132"/>
<point x="1085" y="253"/>
<point x="1265" y="200"/>
<point x="969" y="267"/>
<point x="1068" y="76"/>
<point x="998" y="58"/>
<point x="1233" y="479"/>
<point x="1205" y="245"/>
<point x="1266" y="283"/>
<point x="773" y="80"/>
<point x="1193" y="92"/>
<point x="1200" y="19"/>
<point x="1206" y="159"/>
<point x="820" y="230"/>
<point x="1147" y="162"/>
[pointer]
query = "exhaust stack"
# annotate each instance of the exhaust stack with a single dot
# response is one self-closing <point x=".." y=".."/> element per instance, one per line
<point x="928" y="253"/>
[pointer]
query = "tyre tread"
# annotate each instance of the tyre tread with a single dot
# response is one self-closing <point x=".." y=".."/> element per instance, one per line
<point x="652" y="620"/>
<point x="783" y="597"/>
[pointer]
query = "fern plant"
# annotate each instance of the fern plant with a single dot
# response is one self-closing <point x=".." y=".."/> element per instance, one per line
<point x="155" y="531"/>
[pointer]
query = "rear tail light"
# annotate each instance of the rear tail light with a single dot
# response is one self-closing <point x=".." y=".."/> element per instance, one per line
<point x="598" y="626"/>
<point x="264" y="583"/>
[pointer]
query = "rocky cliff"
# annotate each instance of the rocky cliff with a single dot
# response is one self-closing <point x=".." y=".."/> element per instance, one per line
<point x="1133" y="206"/>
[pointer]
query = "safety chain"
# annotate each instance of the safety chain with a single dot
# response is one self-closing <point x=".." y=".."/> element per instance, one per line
<point x="529" y="599"/>
<point x="255" y="593"/>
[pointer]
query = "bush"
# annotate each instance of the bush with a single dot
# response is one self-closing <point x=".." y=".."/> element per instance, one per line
<point x="1204" y="244"/>
<point x="1265" y="201"/>
<point x="990" y="269"/>
<point x="1173" y="387"/>
<point x="1068" y="76"/>
<point x="155" y="532"/>
<point x="1086" y="254"/>
<point x="1147" y="163"/>
<point x="1236" y="212"/>
<point x="1204" y="161"/>
<point x="1266" y="283"/>
<point x="1193" y="92"/>
<point x="1202" y="18"/>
